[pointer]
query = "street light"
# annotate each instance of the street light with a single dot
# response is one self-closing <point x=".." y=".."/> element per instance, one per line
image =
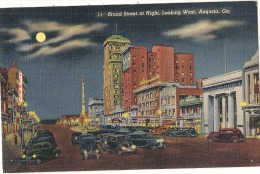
<point x="159" y="112"/>
<point x="23" y="106"/>
<point x="243" y="104"/>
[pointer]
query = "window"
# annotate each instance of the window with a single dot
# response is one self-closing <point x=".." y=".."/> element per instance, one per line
<point x="182" y="74"/>
<point x="134" y="57"/>
<point x="191" y="74"/>
<point x="142" y="65"/>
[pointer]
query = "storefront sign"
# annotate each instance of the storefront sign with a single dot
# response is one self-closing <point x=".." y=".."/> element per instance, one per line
<point x="20" y="86"/>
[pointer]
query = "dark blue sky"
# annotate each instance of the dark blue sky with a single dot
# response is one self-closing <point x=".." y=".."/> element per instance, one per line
<point x="75" y="36"/>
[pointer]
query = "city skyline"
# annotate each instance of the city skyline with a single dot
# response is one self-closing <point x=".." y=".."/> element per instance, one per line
<point x="75" y="37"/>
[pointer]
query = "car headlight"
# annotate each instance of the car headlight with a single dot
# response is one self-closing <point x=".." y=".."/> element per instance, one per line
<point x="34" y="156"/>
<point x="24" y="156"/>
<point x="123" y="148"/>
<point x="85" y="152"/>
<point x="133" y="146"/>
<point x="97" y="151"/>
<point x="76" y="138"/>
<point x="159" y="140"/>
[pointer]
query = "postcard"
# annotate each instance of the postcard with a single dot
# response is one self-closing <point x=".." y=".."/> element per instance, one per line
<point x="130" y="87"/>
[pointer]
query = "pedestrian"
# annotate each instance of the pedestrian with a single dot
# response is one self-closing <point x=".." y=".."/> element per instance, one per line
<point x="4" y="135"/>
<point x="15" y="139"/>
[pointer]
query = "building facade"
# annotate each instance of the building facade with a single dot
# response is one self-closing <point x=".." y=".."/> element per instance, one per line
<point x="134" y="71"/>
<point x="221" y="99"/>
<point x="175" y="105"/>
<point x="184" y="68"/>
<point x="251" y="95"/>
<point x="191" y="112"/>
<point x="96" y="111"/>
<point x="112" y="72"/>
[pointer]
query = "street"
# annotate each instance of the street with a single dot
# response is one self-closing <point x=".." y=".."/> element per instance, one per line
<point x="179" y="153"/>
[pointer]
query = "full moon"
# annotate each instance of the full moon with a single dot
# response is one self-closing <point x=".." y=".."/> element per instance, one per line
<point x="40" y="37"/>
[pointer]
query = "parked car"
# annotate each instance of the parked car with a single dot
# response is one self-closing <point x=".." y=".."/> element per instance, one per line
<point x="83" y="135"/>
<point x="108" y="129"/>
<point x="181" y="132"/>
<point x="95" y="133"/>
<point x="39" y="152"/>
<point x="228" y="135"/>
<point x="89" y="148"/>
<point x="159" y="130"/>
<point x="141" y="139"/>
<point x="118" y="144"/>
<point x="41" y="139"/>
<point x="75" y="136"/>
<point x="44" y="135"/>
<point x="44" y="132"/>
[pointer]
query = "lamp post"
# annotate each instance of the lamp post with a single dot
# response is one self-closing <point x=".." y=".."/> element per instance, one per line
<point x="243" y="104"/>
<point x="159" y="112"/>
<point x="22" y="106"/>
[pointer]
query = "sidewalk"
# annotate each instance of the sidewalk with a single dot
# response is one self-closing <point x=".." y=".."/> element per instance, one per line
<point x="12" y="152"/>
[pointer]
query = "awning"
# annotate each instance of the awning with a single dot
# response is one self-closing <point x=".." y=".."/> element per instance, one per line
<point x="167" y="122"/>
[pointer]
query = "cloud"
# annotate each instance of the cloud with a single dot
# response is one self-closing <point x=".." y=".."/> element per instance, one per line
<point x="18" y="35"/>
<point x="70" y="45"/>
<point x="59" y="37"/>
<point x="202" y="30"/>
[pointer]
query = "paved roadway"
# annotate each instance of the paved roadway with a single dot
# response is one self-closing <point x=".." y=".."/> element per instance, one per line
<point x="179" y="153"/>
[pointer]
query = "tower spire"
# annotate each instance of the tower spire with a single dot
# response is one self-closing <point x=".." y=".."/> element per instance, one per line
<point x="83" y="105"/>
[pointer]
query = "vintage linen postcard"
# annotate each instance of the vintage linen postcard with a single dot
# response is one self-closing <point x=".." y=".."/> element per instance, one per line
<point x="130" y="87"/>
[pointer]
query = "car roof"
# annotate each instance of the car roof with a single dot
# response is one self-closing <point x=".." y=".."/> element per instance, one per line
<point x="116" y="135"/>
<point x="137" y="133"/>
<point x="229" y="129"/>
<point x="44" y="142"/>
<point x="88" y="138"/>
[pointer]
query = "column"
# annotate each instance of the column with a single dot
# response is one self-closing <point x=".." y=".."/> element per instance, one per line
<point x="216" y="114"/>
<point x="231" y="118"/>
<point x="224" y="111"/>
<point x="252" y="88"/>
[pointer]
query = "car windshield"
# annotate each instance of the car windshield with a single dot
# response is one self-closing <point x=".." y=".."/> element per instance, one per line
<point x="90" y="145"/>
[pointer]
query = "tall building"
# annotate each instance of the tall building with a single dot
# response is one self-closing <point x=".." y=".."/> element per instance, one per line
<point x="112" y="72"/>
<point x="134" y="59"/>
<point x="184" y="68"/>
<point x="163" y="63"/>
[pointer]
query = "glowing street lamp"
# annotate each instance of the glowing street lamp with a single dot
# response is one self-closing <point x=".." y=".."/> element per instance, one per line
<point x="243" y="104"/>
<point x="159" y="113"/>
<point x="22" y="106"/>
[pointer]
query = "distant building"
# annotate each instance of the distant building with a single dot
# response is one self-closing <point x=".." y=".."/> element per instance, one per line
<point x="112" y="72"/>
<point x="251" y="95"/>
<point x="96" y="111"/>
<point x="181" y="105"/>
<point x="184" y="68"/>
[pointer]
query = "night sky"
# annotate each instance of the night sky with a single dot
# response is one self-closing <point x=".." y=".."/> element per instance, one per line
<point x="74" y="45"/>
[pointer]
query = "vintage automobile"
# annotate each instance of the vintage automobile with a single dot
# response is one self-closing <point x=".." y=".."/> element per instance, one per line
<point x="89" y="148"/>
<point x="39" y="152"/>
<point x="181" y="132"/>
<point x="83" y="135"/>
<point x="227" y="135"/>
<point x="118" y="144"/>
<point x="95" y="133"/>
<point x="74" y="137"/>
<point x="141" y="139"/>
<point x="41" y="139"/>
<point x="40" y="132"/>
